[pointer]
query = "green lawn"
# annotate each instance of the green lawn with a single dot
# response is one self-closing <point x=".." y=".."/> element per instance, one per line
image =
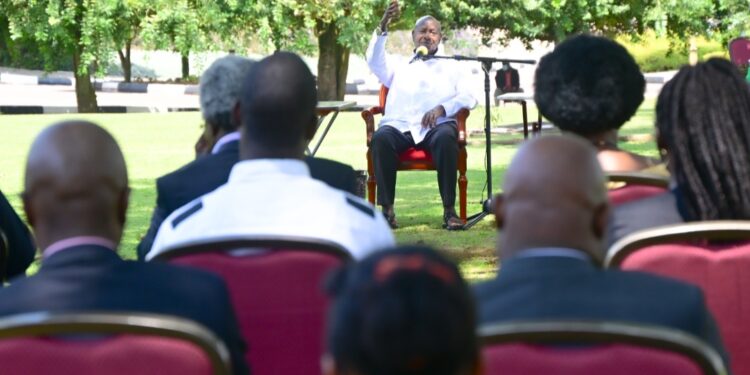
<point x="155" y="144"/>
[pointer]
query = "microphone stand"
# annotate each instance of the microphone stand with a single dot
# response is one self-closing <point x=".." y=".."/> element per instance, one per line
<point x="486" y="67"/>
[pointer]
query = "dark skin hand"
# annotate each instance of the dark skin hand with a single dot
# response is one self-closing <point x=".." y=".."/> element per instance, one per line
<point x="392" y="13"/>
<point x="429" y="120"/>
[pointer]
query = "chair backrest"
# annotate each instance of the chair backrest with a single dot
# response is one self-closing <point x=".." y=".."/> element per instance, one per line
<point x="4" y="254"/>
<point x="108" y="343"/>
<point x="382" y="96"/>
<point x="739" y="51"/>
<point x="581" y="348"/>
<point x="276" y="290"/>
<point x="712" y="255"/>
<point x="636" y="185"/>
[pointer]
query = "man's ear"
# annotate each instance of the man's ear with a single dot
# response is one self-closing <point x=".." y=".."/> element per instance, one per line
<point x="28" y="208"/>
<point x="497" y="210"/>
<point x="600" y="220"/>
<point x="312" y="127"/>
<point x="237" y="115"/>
<point x="122" y="205"/>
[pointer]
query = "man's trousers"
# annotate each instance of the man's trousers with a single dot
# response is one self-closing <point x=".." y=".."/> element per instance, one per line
<point x="441" y="142"/>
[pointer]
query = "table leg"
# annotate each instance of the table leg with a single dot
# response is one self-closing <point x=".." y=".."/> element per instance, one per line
<point x="321" y="118"/>
<point x="525" y="120"/>
<point x="325" y="131"/>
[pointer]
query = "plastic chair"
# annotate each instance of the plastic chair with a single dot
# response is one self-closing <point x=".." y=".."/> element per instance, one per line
<point x="638" y="185"/>
<point x="413" y="159"/>
<point x="581" y="348"/>
<point x="714" y="255"/>
<point x="739" y="51"/>
<point x="108" y="343"/>
<point x="276" y="289"/>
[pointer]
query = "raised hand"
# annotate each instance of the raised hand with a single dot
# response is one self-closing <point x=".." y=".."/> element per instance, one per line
<point x="392" y="13"/>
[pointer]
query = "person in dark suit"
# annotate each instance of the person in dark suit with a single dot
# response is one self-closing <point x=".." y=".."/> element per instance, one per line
<point x="553" y="219"/>
<point x="218" y="149"/>
<point x="76" y="197"/>
<point x="21" y="247"/>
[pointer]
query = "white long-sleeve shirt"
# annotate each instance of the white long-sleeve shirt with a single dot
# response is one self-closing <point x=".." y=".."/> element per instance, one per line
<point x="417" y="87"/>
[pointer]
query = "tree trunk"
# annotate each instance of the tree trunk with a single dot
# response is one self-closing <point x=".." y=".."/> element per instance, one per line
<point x="85" y="93"/>
<point x="185" y="65"/>
<point x="333" y="64"/>
<point x="127" y="66"/>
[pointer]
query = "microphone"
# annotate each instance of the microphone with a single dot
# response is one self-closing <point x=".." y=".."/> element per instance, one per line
<point x="418" y="53"/>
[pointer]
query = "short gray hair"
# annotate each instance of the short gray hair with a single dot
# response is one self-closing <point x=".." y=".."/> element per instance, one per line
<point x="220" y="89"/>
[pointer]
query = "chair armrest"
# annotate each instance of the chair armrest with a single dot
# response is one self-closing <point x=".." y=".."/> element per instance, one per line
<point x="461" y="117"/>
<point x="369" y="116"/>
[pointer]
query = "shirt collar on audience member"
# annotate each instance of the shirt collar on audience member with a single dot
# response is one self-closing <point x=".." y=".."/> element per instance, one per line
<point x="233" y="136"/>
<point x="77" y="241"/>
<point x="251" y="169"/>
<point x="553" y="252"/>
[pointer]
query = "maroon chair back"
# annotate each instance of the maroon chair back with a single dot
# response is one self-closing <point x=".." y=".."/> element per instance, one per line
<point x="79" y="345"/>
<point x="637" y="185"/>
<point x="612" y="359"/>
<point x="278" y="298"/>
<point x="739" y="51"/>
<point x="582" y="348"/>
<point x="701" y="254"/>
<point x="629" y="193"/>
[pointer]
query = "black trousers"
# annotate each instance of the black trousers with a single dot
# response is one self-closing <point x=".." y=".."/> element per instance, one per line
<point x="441" y="142"/>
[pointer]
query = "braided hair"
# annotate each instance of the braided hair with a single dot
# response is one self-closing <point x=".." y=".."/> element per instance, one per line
<point x="703" y="123"/>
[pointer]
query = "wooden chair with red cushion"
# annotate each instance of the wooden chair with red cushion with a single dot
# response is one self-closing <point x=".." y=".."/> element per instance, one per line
<point x="109" y="343"/>
<point x="635" y="185"/>
<point x="276" y="288"/>
<point x="714" y="255"/>
<point x="583" y="348"/>
<point x="413" y="159"/>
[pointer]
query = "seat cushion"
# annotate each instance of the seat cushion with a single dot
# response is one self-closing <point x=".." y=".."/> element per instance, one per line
<point x="415" y="159"/>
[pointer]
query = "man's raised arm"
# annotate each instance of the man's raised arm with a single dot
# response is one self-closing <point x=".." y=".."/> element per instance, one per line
<point x="376" y="56"/>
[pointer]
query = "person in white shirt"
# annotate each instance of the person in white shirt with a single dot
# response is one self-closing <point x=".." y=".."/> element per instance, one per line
<point x="270" y="191"/>
<point x="423" y="98"/>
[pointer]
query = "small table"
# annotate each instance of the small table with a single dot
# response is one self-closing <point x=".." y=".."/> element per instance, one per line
<point x="521" y="98"/>
<point x="324" y="109"/>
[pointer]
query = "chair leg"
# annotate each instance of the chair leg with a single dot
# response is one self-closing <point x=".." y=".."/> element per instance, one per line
<point x="462" y="184"/>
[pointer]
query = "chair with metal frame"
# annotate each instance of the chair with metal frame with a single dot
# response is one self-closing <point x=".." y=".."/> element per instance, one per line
<point x="714" y="255"/>
<point x="109" y="343"/>
<point x="637" y="185"/>
<point x="414" y="159"/>
<point x="594" y="347"/>
<point x="4" y="254"/>
<point x="276" y="288"/>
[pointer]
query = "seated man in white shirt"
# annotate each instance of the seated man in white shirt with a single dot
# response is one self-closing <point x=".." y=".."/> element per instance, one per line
<point x="270" y="191"/>
<point x="423" y="98"/>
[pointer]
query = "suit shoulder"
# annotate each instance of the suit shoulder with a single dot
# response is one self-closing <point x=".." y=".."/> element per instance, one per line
<point x="651" y="284"/>
<point x="178" y="274"/>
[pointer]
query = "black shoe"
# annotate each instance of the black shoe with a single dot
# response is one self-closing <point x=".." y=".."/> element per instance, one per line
<point x="391" y="220"/>
<point x="451" y="221"/>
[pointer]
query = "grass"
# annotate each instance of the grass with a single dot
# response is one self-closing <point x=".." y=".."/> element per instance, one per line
<point x="155" y="144"/>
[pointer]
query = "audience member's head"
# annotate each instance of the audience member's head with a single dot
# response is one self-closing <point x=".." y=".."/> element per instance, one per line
<point x="277" y="108"/>
<point x="588" y="85"/>
<point x="220" y="91"/>
<point x="703" y="125"/>
<point x="404" y="311"/>
<point x="76" y="184"/>
<point x="554" y="195"/>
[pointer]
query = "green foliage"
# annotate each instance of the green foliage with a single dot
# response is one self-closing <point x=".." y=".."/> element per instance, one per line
<point x="64" y="26"/>
<point x="655" y="54"/>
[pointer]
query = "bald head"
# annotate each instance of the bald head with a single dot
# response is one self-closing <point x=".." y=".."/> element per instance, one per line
<point x="277" y="108"/>
<point x="554" y="195"/>
<point x="76" y="183"/>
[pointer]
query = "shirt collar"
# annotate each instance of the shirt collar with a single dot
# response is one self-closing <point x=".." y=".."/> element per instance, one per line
<point x="77" y="241"/>
<point x="252" y="168"/>
<point x="553" y="252"/>
<point x="233" y="136"/>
